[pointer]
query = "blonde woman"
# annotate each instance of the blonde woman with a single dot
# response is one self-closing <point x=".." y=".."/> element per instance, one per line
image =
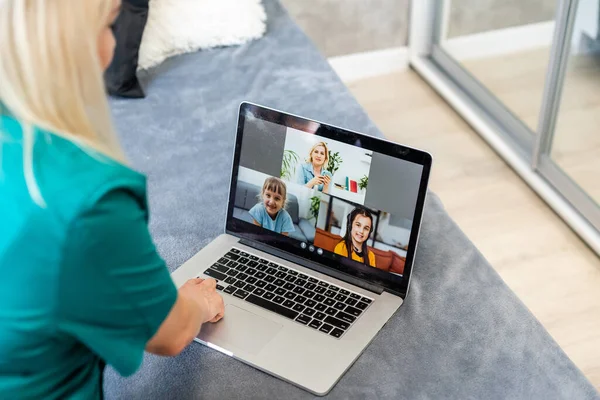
<point x="81" y="283"/>
<point x="313" y="174"/>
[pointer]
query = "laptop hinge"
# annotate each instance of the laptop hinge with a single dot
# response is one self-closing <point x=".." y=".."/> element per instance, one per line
<point x="314" y="266"/>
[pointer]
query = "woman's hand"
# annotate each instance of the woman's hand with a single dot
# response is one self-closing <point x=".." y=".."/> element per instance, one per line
<point x="317" y="180"/>
<point x="204" y="293"/>
<point x="326" y="183"/>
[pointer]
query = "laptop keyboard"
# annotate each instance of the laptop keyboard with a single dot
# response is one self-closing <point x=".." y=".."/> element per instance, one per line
<point x="305" y="299"/>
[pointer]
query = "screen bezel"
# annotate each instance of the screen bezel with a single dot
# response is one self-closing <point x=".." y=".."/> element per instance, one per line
<point x="389" y="282"/>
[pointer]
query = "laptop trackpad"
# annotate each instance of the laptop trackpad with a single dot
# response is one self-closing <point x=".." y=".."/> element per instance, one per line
<point x="240" y="330"/>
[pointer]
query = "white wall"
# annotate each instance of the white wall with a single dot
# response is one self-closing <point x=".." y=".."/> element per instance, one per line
<point x="301" y="192"/>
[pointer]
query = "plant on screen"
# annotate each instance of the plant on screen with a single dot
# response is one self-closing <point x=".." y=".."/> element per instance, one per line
<point x="315" y="204"/>
<point x="364" y="181"/>
<point x="288" y="166"/>
<point x="335" y="161"/>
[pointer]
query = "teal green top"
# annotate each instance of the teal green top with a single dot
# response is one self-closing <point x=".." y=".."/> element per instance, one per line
<point x="81" y="283"/>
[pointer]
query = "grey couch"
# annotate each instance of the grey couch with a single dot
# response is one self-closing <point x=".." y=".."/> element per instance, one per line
<point x="246" y="197"/>
<point x="461" y="333"/>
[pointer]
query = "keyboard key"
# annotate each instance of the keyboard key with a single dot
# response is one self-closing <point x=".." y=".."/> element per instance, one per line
<point x="313" y="280"/>
<point x="334" y="288"/>
<point x="230" y="280"/>
<point x="250" y="288"/>
<point x="260" y="275"/>
<point x="289" y="295"/>
<point x="273" y="265"/>
<point x="253" y="258"/>
<point x="320" y="316"/>
<point x="244" y="254"/>
<point x="230" y="289"/>
<point x="303" y="319"/>
<point x="239" y="284"/>
<point x="234" y="251"/>
<point x="219" y="287"/>
<point x="321" y="307"/>
<point x="337" y="323"/>
<point x="232" y="264"/>
<point x="326" y="328"/>
<point x="308" y="294"/>
<point x="241" y="268"/>
<point x="290" y="278"/>
<point x="263" y="261"/>
<point x="299" y="307"/>
<point x="282" y="268"/>
<point x="337" y="333"/>
<point x="310" y="303"/>
<point x="340" y="297"/>
<point x="251" y="280"/>
<point x="241" y="293"/>
<point x="309" y="311"/>
<point x="351" y="302"/>
<point x="220" y="268"/>
<point x="330" y="293"/>
<point x="331" y="311"/>
<point x="232" y="272"/>
<point x="279" y="282"/>
<point x="243" y="260"/>
<point x="288" y="304"/>
<point x="270" y="278"/>
<point x="276" y="308"/>
<point x="292" y="272"/>
<point x="233" y="257"/>
<point x="271" y="271"/>
<point x="315" y="324"/>
<point x="298" y="290"/>
<point x="362" y="306"/>
<point x="281" y="274"/>
<point x="268" y="296"/>
<point x="323" y="284"/>
<point x="242" y="276"/>
<point x="259" y="292"/>
<point x="344" y="292"/>
<point x="339" y="305"/>
<point x="300" y="299"/>
<point x="278" y="299"/>
<point x="251" y="271"/>
<point x="270" y="288"/>
<point x="365" y="300"/>
<point x="355" y="296"/>
<point x="345" y="317"/>
<point x="261" y="267"/>
<point x="302" y="276"/>
<point x="329" y="302"/>
<point x="280" y="291"/>
<point x="252" y="264"/>
<point x="261" y="284"/>
<point x="289" y="286"/>
<point x="353" y="311"/>
<point x="215" y="274"/>
<point x="320" y="289"/>
<point x="319" y="298"/>
<point x="300" y="282"/>
<point x="310" y="286"/>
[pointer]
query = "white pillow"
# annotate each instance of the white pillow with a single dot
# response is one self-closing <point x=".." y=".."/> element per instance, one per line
<point x="182" y="26"/>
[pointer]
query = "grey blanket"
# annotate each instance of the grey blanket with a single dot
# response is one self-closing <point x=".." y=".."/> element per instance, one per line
<point x="461" y="332"/>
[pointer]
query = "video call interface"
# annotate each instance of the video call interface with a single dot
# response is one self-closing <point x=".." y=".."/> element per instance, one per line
<point x="329" y="196"/>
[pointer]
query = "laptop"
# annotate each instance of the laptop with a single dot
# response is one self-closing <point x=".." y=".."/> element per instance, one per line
<point x="320" y="239"/>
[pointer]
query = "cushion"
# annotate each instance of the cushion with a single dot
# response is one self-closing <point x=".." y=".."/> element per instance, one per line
<point x="120" y="77"/>
<point x="178" y="27"/>
<point x="397" y="265"/>
<point x="383" y="258"/>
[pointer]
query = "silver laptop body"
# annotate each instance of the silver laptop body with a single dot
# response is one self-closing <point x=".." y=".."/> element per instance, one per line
<point x="295" y="310"/>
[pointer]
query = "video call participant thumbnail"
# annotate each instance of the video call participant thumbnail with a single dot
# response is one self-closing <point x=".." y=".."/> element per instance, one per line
<point x="270" y="213"/>
<point x="358" y="229"/>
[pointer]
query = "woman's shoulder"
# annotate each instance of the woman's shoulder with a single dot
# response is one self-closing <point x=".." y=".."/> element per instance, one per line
<point x="341" y="246"/>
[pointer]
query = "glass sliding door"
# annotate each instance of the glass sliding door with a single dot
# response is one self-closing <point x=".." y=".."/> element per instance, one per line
<point x="526" y="75"/>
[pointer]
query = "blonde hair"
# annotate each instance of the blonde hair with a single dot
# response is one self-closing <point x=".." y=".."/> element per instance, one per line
<point x="52" y="77"/>
<point x="324" y="145"/>
<point x="275" y="185"/>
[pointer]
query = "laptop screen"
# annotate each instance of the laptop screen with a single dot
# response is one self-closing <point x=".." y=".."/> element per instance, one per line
<point x="341" y="199"/>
